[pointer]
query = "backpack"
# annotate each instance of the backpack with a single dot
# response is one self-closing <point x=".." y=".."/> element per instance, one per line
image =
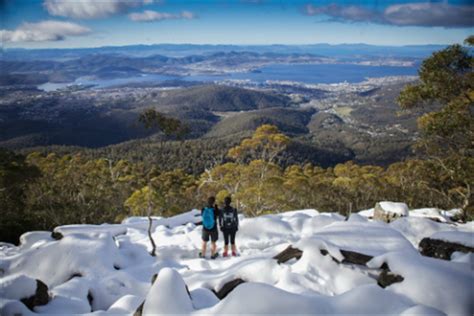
<point x="228" y="218"/>
<point x="208" y="220"/>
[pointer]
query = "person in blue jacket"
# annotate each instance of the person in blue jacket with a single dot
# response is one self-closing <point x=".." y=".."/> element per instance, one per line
<point x="210" y="214"/>
<point x="229" y="224"/>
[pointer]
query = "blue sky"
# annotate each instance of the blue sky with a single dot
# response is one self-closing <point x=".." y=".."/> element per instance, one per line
<point x="93" y="23"/>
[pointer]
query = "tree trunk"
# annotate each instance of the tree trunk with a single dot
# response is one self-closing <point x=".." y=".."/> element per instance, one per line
<point x="153" y="245"/>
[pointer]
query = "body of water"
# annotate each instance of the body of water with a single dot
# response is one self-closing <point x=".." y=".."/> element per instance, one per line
<point x="306" y="73"/>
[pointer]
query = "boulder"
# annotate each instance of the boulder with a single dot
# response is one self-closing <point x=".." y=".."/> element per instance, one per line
<point x="389" y="211"/>
<point x="288" y="254"/>
<point x="355" y="257"/>
<point x="29" y="291"/>
<point x="56" y="235"/>
<point x="350" y="257"/>
<point x="168" y="295"/>
<point x="228" y="287"/>
<point x="441" y="249"/>
<point x="139" y="310"/>
<point x="386" y="278"/>
<point x="41" y="296"/>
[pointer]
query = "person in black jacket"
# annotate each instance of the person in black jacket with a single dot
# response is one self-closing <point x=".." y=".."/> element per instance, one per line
<point x="229" y="224"/>
<point x="210" y="215"/>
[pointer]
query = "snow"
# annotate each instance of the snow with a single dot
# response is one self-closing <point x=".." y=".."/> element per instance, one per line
<point x="463" y="238"/>
<point x="395" y="208"/>
<point x="443" y="285"/>
<point x="416" y="228"/>
<point x="370" y="238"/>
<point x="17" y="287"/>
<point x="107" y="269"/>
<point x="168" y="295"/>
<point x="34" y="239"/>
<point x="433" y="213"/>
<point x="463" y="257"/>
<point x="367" y="213"/>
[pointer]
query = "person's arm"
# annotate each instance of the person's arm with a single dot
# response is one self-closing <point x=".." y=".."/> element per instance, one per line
<point x="220" y="217"/>
<point x="217" y="214"/>
<point x="236" y="217"/>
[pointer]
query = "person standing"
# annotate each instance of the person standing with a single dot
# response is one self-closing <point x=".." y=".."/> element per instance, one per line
<point x="210" y="214"/>
<point x="229" y="224"/>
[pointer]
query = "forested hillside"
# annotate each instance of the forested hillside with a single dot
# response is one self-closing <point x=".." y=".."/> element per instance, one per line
<point x="265" y="171"/>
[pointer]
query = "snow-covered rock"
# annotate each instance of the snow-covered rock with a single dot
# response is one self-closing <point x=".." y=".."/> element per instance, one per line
<point x="17" y="287"/>
<point x="168" y="295"/>
<point x="432" y="213"/>
<point x="389" y="211"/>
<point x="107" y="269"/>
<point x="462" y="238"/>
<point x="20" y="287"/>
<point x="439" y="284"/>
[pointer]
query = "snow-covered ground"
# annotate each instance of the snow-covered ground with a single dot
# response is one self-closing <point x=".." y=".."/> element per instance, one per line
<point x="107" y="269"/>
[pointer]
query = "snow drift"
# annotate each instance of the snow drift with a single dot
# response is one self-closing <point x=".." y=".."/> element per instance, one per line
<point x="107" y="270"/>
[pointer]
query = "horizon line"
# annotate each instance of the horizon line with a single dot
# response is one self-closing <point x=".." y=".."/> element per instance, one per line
<point x="209" y="44"/>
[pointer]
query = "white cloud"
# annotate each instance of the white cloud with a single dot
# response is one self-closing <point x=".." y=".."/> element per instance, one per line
<point x="49" y="30"/>
<point x="91" y="9"/>
<point x="430" y="14"/>
<point x="188" y="15"/>
<point x="408" y="14"/>
<point x="152" y="16"/>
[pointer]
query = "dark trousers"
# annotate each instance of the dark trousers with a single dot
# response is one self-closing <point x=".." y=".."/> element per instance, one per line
<point x="229" y="234"/>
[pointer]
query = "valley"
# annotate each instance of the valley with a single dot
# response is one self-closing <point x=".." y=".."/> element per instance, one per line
<point x="335" y="109"/>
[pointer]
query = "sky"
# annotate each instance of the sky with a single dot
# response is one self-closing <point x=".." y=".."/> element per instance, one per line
<point x="95" y="23"/>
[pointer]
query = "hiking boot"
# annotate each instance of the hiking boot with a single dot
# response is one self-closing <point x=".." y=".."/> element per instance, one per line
<point x="201" y="255"/>
<point x="214" y="256"/>
<point x="225" y="254"/>
<point x="234" y="253"/>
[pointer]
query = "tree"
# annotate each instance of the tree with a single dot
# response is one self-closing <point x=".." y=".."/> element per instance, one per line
<point x="74" y="189"/>
<point x="146" y="201"/>
<point x="178" y="189"/>
<point x="15" y="176"/>
<point x="261" y="191"/>
<point x="447" y="78"/>
<point x="265" y="144"/>
<point x="221" y="181"/>
<point x="170" y="126"/>
<point x="261" y="150"/>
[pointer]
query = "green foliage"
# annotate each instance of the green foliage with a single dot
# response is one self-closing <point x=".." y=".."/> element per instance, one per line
<point x="146" y="201"/>
<point x="43" y="191"/>
<point x="15" y="176"/>
<point x="265" y="144"/>
<point x="72" y="189"/>
<point x="447" y="77"/>
<point x="170" y="126"/>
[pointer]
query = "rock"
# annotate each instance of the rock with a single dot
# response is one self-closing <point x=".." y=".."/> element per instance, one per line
<point x="350" y="257"/>
<point x="90" y="299"/>
<point x="441" y="249"/>
<point x="139" y="310"/>
<point x="31" y="292"/>
<point x="153" y="278"/>
<point x="168" y="295"/>
<point x="386" y="278"/>
<point x="355" y="257"/>
<point x="75" y="275"/>
<point x="390" y="211"/>
<point x="288" y="254"/>
<point x="56" y="235"/>
<point x="41" y="296"/>
<point x="228" y="287"/>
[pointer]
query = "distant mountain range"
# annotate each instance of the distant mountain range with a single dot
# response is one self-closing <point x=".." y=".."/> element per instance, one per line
<point x="181" y="50"/>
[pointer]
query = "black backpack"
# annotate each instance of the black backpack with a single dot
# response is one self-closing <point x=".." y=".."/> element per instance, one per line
<point x="229" y="219"/>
